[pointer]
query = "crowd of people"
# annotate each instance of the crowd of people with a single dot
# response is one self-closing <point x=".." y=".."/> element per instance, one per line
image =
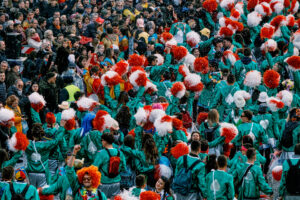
<point x="150" y="100"/>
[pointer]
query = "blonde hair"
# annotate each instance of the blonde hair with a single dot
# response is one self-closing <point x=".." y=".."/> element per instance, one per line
<point x="213" y="117"/>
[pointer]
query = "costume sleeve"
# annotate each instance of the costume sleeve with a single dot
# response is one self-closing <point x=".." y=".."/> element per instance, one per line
<point x="73" y="180"/>
<point x="35" y="116"/>
<point x="13" y="160"/>
<point x="263" y="185"/>
<point x="201" y="182"/>
<point x="230" y="188"/>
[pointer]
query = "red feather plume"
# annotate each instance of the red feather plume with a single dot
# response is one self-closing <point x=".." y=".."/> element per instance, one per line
<point x="98" y="88"/>
<point x="202" y="116"/>
<point x="22" y="141"/>
<point x="99" y="121"/>
<point x="286" y="3"/>
<point x="294" y="62"/>
<point x="271" y="78"/>
<point x="279" y="104"/>
<point x="179" y="52"/>
<point x="166" y="36"/>
<point x="149" y="195"/>
<point x="131" y="133"/>
<point x="210" y="5"/>
<point x="179" y="150"/>
<point x="37" y="107"/>
<point x="177" y="87"/>
<point x="50" y="118"/>
<point x="229" y="133"/>
<point x="70" y="124"/>
<point x="115" y="80"/>
<point x="136" y="60"/>
<point x="201" y="65"/>
<point x="277" y="20"/>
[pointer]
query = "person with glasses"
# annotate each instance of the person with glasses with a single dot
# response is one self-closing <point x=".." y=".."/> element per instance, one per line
<point x="254" y="130"/>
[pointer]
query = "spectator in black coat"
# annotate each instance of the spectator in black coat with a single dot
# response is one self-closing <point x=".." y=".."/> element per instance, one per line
<point x="62" y="61"/>
<point x="3" y="93"/>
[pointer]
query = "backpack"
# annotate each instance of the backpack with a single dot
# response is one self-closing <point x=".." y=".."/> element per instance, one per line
<point x="287" y="135"/>
<point x="209" y="133"/>
<point x="293" y="178"/>
<point x="183" y="181"/>
<point x="16" y="196"/>
<point x="186" y="119"/>
<point x="113" y="165"/>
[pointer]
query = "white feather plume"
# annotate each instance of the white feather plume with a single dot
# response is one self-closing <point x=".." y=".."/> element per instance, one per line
<point x="85" y="103"/>
<point x="6" y="115"/>
<point x="160" y="59"/>
<point x="162" y="128"/>
<point x="155" y="114"/>
<point x="253" y="19"/>
<point x="36" y="98"/>
<point x="134" y="76"/>
<point x="141" y="116"/>
<point x="109" y="74"/>
<point x="253" y="78"/>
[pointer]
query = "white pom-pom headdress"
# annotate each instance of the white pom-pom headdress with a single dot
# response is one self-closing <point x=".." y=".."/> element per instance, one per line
<point x="111" y="78"/>
<point x="6" y="116"/>
<point x="36" y="98"/>
<point x="160" y="59"/>
<point x="264" y="9"/>
<point x="192" y="38"/>
<point x="155" y="114"/>
<point x="189" y="61"/>
<point x="286" y="97"/>
<point x="18" y="142"/>
<point x="85" y="104"/>
<point x="68" y="114"/>
<point x="193" y="82"/>
<point x="253" y="79"/>
<point x="296" y="41"/>
<point x="253" y="19"/>
<point x="163" y="125"/>
<point x="142" y="115"/>
<point x="274" y="104"/>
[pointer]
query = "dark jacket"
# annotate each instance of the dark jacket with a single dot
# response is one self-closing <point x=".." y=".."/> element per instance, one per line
<point x="50" y="93"/>
<point x="3" y="93"/>
<point x="23" y="99"/>
<point x="2" y="56"/>
<point x="30" y="69"/>
<point x="11" y="78"/>
<point x="61" y="60"/>
<point x="91" y="30"/>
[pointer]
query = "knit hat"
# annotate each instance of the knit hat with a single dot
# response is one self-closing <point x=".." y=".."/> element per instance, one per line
<point x="20" y="174"/>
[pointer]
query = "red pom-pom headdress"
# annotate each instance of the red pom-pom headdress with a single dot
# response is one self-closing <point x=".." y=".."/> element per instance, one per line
<point x="264" y="9"/>
<point x="178" y="90"/>
<point x="210" y="5"/>
<point x="232" y="57"/>
<point x="251" y="4"/>
<point x="271" y="78"/>
<point x="293" y="62"/>
<point x="104" y="121"/>
<point x="165" y="37"/>
<point x="267" y="31"/>
<point x="50" y="118"/>
<point x="93" y="172"/>
<point x="290" y="20"/>
<point x="121" y="67"/>
<point x="229" y="131"/>
<point x="138" y="78"/>
<point x="202" y="116"/>
<point x="149" y="195"/>
<point x="18" y="142"/>
<point x="37" y="101"/>
<point x="183" y="70"/>
<point x="294" y="7"/>
<point x="225" y="31"/>
<point x="163" y="125"/>
<point x="180" y="149"/>
<point x="136" y="60"/>
<point x="201" y="65"/>
<point x="278" y="21"/>
<point x="227" y="4"/>
<point x="111" y="78"/>
<point x="179" y="52"/>
<point x="192" y="38"/>
<point x="193" y="82"/>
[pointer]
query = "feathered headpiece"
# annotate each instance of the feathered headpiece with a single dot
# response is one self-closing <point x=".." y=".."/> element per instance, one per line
<point x="136" y="60"/>
<point x="286" y="97"/>
<point x="178" y="90"/>
<point x="229" y="131"/>
<point x="18" y="142"/>
<point x="271" y="78"/>
<point x="37" y="101"/>
<point x="85" y="104"/>
<point x="239" y="100"/>
<point x="210" y="5"/>
<point x="294" y="7"/>
<point x="93" y="172"/>
<point x="290" y="19"/>
<point x="274" y="104"/>
<point x="183" y="70"/>
<point x="227" y="4"/>
<point x="235" y="14"/>
<point x="163" y="125"/>
<point x="142" y="115"/>
<point x="163" y="168"/>
<point x="226" y="32"/>
<point x="6" y="116"/>
<point x="264" y="9"/>
<point x="193" y="82"/>
<point x="180" y="149"/>
<point x="293" y="62"/>
<point x="111" y="78"/>
<point x="121" y="67"/>
<point x="104" y="121"/>
<point x="201" y="65"/>
<point x="251" y="4"/>
<point x="253" y="79"/>
<point x="192" y="38"/>
<point x="69" y="117"/>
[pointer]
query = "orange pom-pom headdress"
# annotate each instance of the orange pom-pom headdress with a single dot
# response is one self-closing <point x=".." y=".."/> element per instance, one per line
<point x="210" y="5"/>
<point x="165" y="37"/>
<point x="93" y="172"/>
<point x="225" y="31"/>
<point x="111" y="78"/>
<point x="201" y="65"/>
<point x="50" y="118"/>
<point x="267" y="31"/>
<point x="180" y="149"/>
<point x="278" y="21"/>
<point x="271" y="78"/>
<point x="104" y="121"/>
<point x="178" y="90"/>
<point x="18" y="142"/>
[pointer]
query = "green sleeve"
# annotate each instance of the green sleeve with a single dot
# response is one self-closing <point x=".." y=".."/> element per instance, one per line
<point x="172" y="30"/>
<point x="206" y="43"/>
<point x="263" y="185"/>
<point x="282" y="187"/>
<point x="72" y="178"/>
<point x="13" y="130"/>
<point x="201" y="182"/>
<point x="35" y="116"/>
<point x="13" y="160"/>
<point x="210" y="20"/>
<point x="269" y="59"/>
<point x="190" y="103"/>
<point x="54" y="188"/>
<point x="201" y="24"/>
<point x="148" y="99"/>
<point x="111" y="102"/>
<point x="230" y="188"/>
<point x="216" y="142"/>
<point x="216" y="99"/>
